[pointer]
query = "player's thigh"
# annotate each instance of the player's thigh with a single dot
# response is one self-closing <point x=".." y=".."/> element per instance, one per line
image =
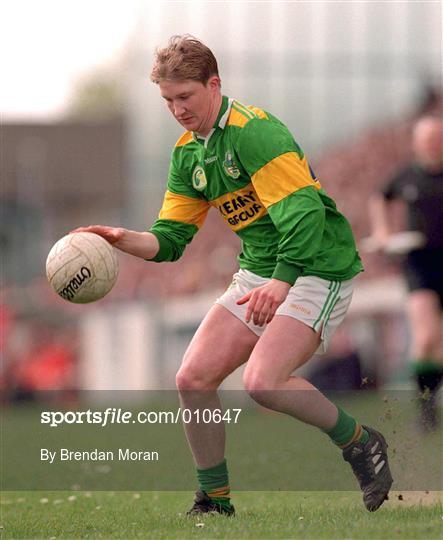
<point x="221" y="344"/>
<point x="286" y="344"/>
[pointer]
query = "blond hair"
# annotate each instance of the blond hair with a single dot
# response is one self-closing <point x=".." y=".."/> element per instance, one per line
<point x="185" y="58"/>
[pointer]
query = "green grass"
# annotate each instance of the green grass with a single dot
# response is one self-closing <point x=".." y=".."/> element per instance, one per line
<point x="265" y="451"/>
<point x="155" y="515"/>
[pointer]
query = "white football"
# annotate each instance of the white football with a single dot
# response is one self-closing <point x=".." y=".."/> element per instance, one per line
<point x="82" y="267"/>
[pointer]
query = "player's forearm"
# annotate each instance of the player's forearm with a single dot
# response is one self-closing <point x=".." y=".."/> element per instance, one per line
<point x="378" y="214"/>
<point x="140" y="244"/>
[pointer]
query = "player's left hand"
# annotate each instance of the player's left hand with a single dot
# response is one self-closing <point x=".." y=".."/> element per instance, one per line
<point x="264" y="301"/>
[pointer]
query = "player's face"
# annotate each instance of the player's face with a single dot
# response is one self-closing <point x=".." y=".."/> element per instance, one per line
<point x="192" y="103"/>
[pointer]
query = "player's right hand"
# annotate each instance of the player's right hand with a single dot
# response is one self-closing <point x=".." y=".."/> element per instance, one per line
<point x="263" y="301"/>
<point x="111" y="234"/>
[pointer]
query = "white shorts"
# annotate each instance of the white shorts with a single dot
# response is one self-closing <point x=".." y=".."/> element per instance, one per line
<point x="317" y="302"/>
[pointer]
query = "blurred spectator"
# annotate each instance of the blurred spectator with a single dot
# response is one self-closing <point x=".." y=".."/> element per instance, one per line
<point x="45" y="361"/>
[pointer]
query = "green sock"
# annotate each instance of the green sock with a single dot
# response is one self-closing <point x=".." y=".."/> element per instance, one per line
<point x="428" y="374"/>
<point x="347" y="430"/>
<point x="215" y="482"/>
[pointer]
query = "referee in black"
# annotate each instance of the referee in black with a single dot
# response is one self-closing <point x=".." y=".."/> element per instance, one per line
<point x="420" y="187"/>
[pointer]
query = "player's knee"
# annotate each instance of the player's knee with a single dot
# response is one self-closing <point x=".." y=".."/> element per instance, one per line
<point x="187" y="379"/>
<point x="191" y="379"/>
<point x="258" y="386"/>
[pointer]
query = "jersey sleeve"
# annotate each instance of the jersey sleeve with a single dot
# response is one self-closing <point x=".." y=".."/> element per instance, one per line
<point x="288" y="189"/>
<point x="390" y="190"/>
<point x="182" y="214"/>
<point x="393" y="188"/>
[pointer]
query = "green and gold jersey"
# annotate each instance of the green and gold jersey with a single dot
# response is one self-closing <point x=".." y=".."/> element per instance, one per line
<point x="253" y="172"/>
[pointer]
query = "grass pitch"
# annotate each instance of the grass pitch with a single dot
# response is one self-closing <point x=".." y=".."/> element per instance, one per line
<point x="336" y="515"/>
<point x="264" y="450"/>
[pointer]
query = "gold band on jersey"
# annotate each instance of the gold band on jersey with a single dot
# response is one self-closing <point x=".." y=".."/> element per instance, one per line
<point x="184" y="209"/>
<point x="184" y="139"/>
<point x="259" y="112"/>
<point x="240" y="208"/>
<point x="282" y="176"/>
<point x="237" y="118"/>
<point x="240" y="115"/>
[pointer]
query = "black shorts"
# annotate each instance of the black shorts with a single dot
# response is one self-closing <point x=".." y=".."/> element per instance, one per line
<point x="424" y="270"/>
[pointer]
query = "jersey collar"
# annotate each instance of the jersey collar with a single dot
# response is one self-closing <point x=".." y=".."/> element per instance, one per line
<point x="220" y="122"/>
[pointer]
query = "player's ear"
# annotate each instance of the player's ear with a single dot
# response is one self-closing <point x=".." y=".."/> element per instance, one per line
<point x="214" y="82"/>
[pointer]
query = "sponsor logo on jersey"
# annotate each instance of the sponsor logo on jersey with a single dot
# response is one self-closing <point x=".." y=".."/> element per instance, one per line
<point x="240" y="208"/>
<point x="210" y="160"/>
<point x="199" y="178"/>
<point x="230" y="166"/>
